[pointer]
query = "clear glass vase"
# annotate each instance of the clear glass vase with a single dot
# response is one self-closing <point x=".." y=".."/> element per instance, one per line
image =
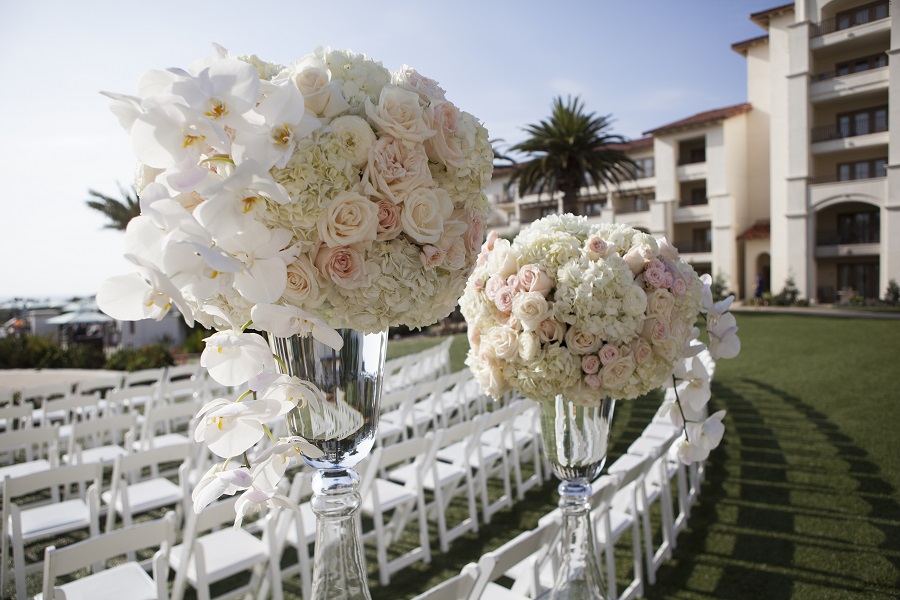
<point x="576" y="440"/>
<point x="341" y="426"/>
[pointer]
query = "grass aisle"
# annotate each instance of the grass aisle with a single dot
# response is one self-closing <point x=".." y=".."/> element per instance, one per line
<point x="801" y="500"/>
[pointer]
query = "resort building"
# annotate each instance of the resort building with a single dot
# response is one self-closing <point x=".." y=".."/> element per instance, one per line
<point x="802" y="181"/>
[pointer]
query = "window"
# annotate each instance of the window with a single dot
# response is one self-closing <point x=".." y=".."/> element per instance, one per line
<point x="862" y="169"/>
<point x="635" y="203"/>
<point x="858" y="65"/>
<point x="861" y="15"/>
<point x="698" y="196"/>
<point x="859" y="228"/>
<point x="644" y="167"/>
<point x="592" y="208"/>
<point x="692" y="151"/>
<point x="701" y="240"/>
<point x="861" y="122"/>
<point x="546" y="211"/>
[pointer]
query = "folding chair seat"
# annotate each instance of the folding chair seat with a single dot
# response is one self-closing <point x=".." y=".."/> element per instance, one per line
<point x="101" y="440"/>
<point x="402" y="501"/>
<point x="100" y="384"/>
<point x="203" y="560"/>
<point x="457" y="587"/>
<point x="123" y="581"/>
<point x="131" y="399"/>
<point x="522" y="555"/>
<point x="56" y="511"/>
<point x="167" y="425"/>
<point x="494" y="461"/>
<point x="133" y="492"/>
<point x="28" y="450"/>
<point x="448" y="480"/>
<point x="443" y="403"/>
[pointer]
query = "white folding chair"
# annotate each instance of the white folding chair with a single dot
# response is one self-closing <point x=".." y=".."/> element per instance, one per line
<point x="123" y="581"/>
<point x="202" y="560"/>
<point x="37" y="394"/>
<point x="629" y="507"/>
<point x="26" y="520"/>
<point x="167" y="425"/>
<point x="101" y="440"/>
<point x="382" y="497"/>
<point x="493" y="462"/>
<point x="28" y="450"/>
<point x="447" y="480"/>
<point x="132" y="398"/>
<point x="142" y="377"/>
<point x="15" y="416"/>
<point x="133" y="492"/>
<point x="297" y="528"/>
<point x="101" y="384"/>
<point x="64" y="411"/>
<point x="457" y="587"/>
<point x="522" y="555"/>
<point x="523" y="446"/>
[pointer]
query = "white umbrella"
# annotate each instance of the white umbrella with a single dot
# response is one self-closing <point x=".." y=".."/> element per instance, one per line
<point x="76" y="318"/>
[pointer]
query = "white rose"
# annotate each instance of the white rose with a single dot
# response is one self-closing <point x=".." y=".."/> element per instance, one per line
<point x="302" y="284"/>
<point x="617" y="374"/>
<point x="531" y="308"/>
<point x="399" y="114"/>
<point x="443" y="146"/>
<point x="660" y="303"/>
<point x="321" y="96"/>
<point x="424" y="212"/>
<point x="502" y="341"/>
<point x="427" y="88"/>
<point x="349" y="219"/>
<point x="454" y="252"/>
<point x="394" y="169"/>
<point x="529" y="346"/>
<point x="580" y="341"/>
<point x="534" y="278"/>
<point x="634" y="300"/>
<point x="356" y="136"/>
<point x="666" y="348"/>
<point x="502" y="260"/>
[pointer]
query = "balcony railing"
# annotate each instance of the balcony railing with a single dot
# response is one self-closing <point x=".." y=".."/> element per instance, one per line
<point x="825" y="133"/>
<point x="693" y="247"/>
<point x="835" y="179"/>
<point x="835" y="238"/>
<point x="691" y="160"/>
<point x="861" y="16"/>
<point x="633" y="205"/>
<point x="829" y="75"/>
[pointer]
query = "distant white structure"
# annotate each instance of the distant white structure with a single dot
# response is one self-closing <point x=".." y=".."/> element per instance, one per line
<point x="134" y="334"/>
<point x="801" y="181"/>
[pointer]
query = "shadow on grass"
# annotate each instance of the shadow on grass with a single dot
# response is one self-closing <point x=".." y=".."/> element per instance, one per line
<point x="791" y="508"/>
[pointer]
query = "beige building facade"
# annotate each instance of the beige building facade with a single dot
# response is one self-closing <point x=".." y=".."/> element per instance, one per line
<point x="802" y="181"/>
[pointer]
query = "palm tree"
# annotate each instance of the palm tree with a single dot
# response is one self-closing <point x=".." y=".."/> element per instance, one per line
<point x="571" y="150"/>
<point x="119" y="212"/>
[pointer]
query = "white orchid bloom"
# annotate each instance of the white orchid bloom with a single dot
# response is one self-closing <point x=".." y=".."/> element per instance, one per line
<point x="292" y="392"/>
<point x="125" y="108"/>
<point x="694" y="389"/>
<point x="220" y="481"/>
<point x="230" y="90"/>
<point x="286" y="122"/>
<point x="146" y="294"/>
<point x="254" y="499"/>
<point x="286" y="321"/>
<point x="174" y="137"/>
<point x="702" y="438"/>
<point x="723" y="339"/>
<point x="706" y="300"/>
<point x="233" y="358"/>
<point x="231" y="428"/>
<point x="263" y="278"/>
<point x="244" y="192"/>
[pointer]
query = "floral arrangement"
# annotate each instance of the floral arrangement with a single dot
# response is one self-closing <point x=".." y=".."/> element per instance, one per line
<point x="331" y="193"/>
<point x="332" y="186"/>
<point x="590" y="311"/>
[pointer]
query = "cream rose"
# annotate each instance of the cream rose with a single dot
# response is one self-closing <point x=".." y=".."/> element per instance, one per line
<point x="596" y="248"/>
<point x="634" y="300"/>
<point x="474" y="232"/>
<point x="424" y="212"/>
<point x="580" y="341"/>
<point x="660" y="303"/>
<point x="444" y="147"/>
<point x="641" y="351"/>
<point x="454" y="253"/>
<point x="533" y="278"/>
<point x="303" y="284"/>
<point x="432" y="256"/>
<point x="531" y="308"/>
<point x="552" y="331"/>
<point x="617" y="374"/>
<point x="503" y="342"/>
<point x="529" y="346"/>
<point x="349" y="219"/>
<point x="355" y="136"/>
<point x="399" y="114"/>
<point x="666" y="348"/>
<point x="609" y="354"/>
<point x="637" y="257"/>
<point x="389" y="225"/>
<point x="344" y="266"/>
<point x="394" y="169"/>
<point x="502" y="259"/>
<point x="590" y="364"/>
<point x="321" y="96"/>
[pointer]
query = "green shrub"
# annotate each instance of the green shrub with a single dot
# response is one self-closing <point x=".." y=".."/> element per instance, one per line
<point x="35" y="352"/>
<point x="790" y="295"/>
<point x="151" y="356"/>
<point x="892" y="295"/>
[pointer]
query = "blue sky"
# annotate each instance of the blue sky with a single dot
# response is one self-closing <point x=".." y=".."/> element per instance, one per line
<point x="645" y="62"/>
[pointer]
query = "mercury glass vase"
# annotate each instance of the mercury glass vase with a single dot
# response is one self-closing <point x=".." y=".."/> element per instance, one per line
<point x="576" y="440"/>
<point x="341" y="426"/>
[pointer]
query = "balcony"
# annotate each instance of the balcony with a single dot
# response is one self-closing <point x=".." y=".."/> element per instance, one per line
<point x="830" y="85"/>
<point x="831" y="244"/>
<point x="824" y="189"/>
<point x="633" y="204"/>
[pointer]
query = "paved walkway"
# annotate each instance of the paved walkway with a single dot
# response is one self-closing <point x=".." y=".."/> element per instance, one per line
<point x="819" y="311"/>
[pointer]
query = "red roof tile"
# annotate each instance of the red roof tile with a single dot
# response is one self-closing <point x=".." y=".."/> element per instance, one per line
<point x="742" y="47"/>
<point x="703" y="118"/>
<point x="759" y="231"/>
<point x="762" y="17"/>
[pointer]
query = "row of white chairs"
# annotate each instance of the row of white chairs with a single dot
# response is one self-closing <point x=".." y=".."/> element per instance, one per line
<point x="649" y="474"/>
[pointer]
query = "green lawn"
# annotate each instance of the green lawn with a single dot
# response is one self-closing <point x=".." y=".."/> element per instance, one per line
<point x="801" y="500"/>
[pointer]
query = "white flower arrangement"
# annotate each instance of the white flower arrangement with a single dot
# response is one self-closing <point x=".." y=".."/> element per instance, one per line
<point x="589" y="312"/>
<point x="293" y="200"/>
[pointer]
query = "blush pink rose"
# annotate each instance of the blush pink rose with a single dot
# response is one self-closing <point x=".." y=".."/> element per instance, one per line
<point x="494" y="285"/>
<point x="504" y="299"/>
<point x="641" y="351"/>
<point x="389" y="225"/>
<point x="444" y="147"/>
<point x="432" y="256"/>
<point x="474" y="235"/>
<point x="655" y="274"/>
<point x="533" y="278"/>
<point x="679" y="287"/>
<point x="592" y="381"/>
<point x="342" y="265"/>
<point x="551" y="331"/>
<point x="590" y="364"/>
<point x="596" y="248"/>
<point x="609" y="354"/>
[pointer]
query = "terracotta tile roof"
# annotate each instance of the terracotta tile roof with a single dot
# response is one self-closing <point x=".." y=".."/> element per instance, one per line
<point x="762" y="17"/>
<point x="703" y="118"/>
<point x="644" y="143"/>
<point x="759" y="231"/>
<point x="742" y="47"/>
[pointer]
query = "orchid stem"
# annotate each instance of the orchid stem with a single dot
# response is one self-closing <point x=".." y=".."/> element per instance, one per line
<point x="244" y="395"/>
<point x="269" y="433"/>
<point x="246" y="460"/>
<point x="281" y="364"/>
<point x="680" y="409"/>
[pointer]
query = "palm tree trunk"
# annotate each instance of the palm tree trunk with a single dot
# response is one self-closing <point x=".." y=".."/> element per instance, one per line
<point x="569" y="202"/>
